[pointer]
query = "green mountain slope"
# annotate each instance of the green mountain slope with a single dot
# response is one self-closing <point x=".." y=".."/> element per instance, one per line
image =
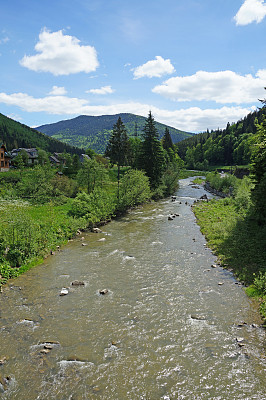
<point x="230" y="146"/>
<point x="94" y="132"/>
<point x="14" y="135"/>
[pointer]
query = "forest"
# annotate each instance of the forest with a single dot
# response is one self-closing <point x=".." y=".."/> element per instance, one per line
<point x="222" y="147"/>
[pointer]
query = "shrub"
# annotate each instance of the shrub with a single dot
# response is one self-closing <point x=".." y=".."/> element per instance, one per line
<point x="94" y="207"/>
<point x="134" y="189"/>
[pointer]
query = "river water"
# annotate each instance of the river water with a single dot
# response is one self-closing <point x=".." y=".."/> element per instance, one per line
<point x="166" y="329"/>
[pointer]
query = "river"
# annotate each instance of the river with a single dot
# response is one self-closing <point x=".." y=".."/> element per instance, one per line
<point x="170" y="326"/>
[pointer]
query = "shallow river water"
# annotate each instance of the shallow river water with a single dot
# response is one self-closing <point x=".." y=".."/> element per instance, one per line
<point x="166" y="329"/>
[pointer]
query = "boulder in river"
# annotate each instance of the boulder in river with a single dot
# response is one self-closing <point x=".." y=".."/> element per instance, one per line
<point x="77" y="283"/>
<point x="3" y="360"/>
<point x="64" y="292"/>
<point x="170" y="218"/>
<point x="198" y="317"/>
<point x="96" y="230"/>
<point x="103" y="291"/>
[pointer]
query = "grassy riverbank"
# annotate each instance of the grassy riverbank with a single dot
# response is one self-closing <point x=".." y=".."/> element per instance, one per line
<point x="28" y="233"/>
<point x="238" y="241"/>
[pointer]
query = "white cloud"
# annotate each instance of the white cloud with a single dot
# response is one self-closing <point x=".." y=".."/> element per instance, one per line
<point x="154" y="68"/>
<point x="61" y="55"/>
<point x="250" y="11"/>
<point x="102" y="90"/>
<point x="58" y="91"/>
<point x="222" y="87"/>
<point x="192" y="119"/>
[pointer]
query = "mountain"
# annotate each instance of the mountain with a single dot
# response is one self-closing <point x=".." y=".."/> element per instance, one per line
<point x="14" y="135"/>
<point x="230" y="146"/>
<point x="94" y="132"/>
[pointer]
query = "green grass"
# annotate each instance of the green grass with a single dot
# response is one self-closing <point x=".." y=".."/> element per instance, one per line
<point x="30" y="232"/>
<point x="186" y="173"/>
<point x="236" y="239"/>
<point x="199" y="181"/>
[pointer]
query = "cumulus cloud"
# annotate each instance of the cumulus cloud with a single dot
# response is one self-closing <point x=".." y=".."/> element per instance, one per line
<point x="58" y="91"/>
<point x="61" y="54"/>
<point x="192" y="119"/>
<point x="102" y="90"/>
<point x="250" y="11"/>
<point x="222" y="87"/>
<point x="154" y="68"/>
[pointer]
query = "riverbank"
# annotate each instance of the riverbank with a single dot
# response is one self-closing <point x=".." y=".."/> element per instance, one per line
<point x="238" y="242"/>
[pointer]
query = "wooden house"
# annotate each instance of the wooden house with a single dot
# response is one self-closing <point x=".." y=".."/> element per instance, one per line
<point x="4" y="159"/>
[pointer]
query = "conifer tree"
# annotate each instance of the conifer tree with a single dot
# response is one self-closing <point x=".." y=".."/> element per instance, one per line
<point x="151" y="157"/>
<point x="117" y="147"/>
<point x="167" y="140"/>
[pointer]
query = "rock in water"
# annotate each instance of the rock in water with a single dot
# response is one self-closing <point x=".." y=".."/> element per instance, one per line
<point x="77" y="283"/>
<point x="64" y="292"/>
<point x="103" y="291"/>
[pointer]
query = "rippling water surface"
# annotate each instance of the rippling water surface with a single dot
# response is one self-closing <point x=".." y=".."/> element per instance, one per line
<point x="166" y="329"/>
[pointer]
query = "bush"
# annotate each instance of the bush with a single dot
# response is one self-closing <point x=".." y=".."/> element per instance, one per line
<point x="243" y="195"/>
<point x="222" y="184"/>
<point x="260" y="283"/>
<point x="134" y="189"/>
<point x="93" y="207"/>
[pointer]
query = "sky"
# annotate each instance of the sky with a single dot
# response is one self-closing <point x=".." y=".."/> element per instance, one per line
<point x="195" y="64"/>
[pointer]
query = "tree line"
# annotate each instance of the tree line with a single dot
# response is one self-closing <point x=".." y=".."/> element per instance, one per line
<point x="230" y="146"/>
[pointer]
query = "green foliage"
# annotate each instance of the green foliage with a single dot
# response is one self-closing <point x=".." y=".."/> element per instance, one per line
<point x="91" y="174"/>
<point x="243" y="201"/>
<point x="230" y="146"/>
<point x="134" y="189"/>
<point x="260" y="283"/>
<point x="93" y="207"/>
<point x="28" y="232"/>
<point x="118" y="145"/>
<point x="222" y="184"/>
<point x="151" y="158"/>
<point x="259" y="172"/>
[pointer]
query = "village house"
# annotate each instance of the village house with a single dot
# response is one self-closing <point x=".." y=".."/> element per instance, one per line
<point x="4" y="159"/>
<point x="31" y="153"/>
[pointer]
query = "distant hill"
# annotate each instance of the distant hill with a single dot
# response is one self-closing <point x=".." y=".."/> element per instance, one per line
<point x="94" y="132"/>
<point x="14" y="135"/>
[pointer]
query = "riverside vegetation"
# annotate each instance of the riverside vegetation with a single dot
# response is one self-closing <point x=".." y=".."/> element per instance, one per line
<point x="235" y="227"/>
<point x="40" y="208"/>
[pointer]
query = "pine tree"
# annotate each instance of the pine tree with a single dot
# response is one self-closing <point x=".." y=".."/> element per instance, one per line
<point x="151" y="157"/>
<point x="167" y="140"/>
<point x="117" y="147"/>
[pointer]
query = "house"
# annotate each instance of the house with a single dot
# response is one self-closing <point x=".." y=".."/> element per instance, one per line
<point x="4" y="158"/>
<point x="31" y="153"/>
<point x="84" y="157"/>
<point x="61" y="157"/>
<point x="54" y="160"/>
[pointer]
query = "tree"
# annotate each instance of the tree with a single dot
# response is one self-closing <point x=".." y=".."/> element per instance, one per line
<point x="90" y="174"/>
<point x="258" y="170"/>
<point x="167" y="140"/>
<point x="117" y="147"/>
<point x="151" y="157"/>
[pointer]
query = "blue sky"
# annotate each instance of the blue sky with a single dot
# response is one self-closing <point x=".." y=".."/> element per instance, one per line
<point x="196" y="64"/>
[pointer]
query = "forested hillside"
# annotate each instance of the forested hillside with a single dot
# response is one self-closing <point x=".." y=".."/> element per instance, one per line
<point x="14" y="135"/>
<point x="230" y="146"/>
<point x="94" y="132"/>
